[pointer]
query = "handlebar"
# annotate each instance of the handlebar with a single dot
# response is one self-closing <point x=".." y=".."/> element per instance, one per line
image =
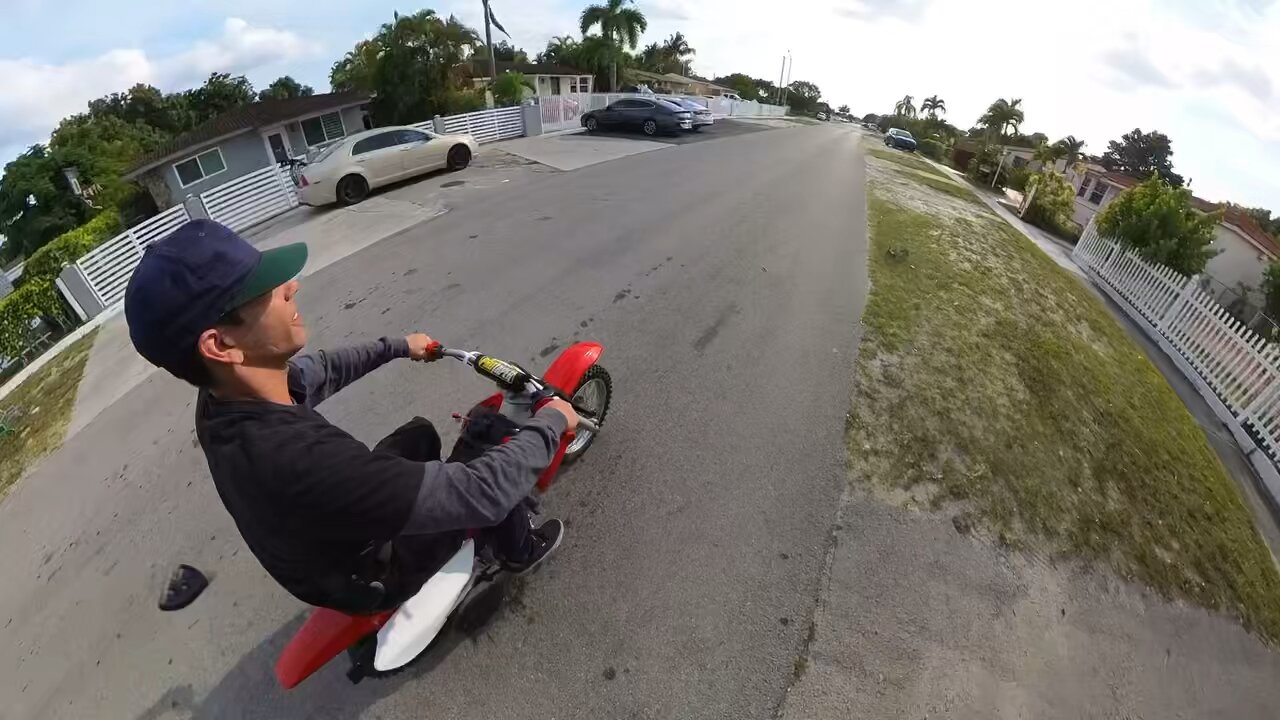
<point x="437" y="350"/>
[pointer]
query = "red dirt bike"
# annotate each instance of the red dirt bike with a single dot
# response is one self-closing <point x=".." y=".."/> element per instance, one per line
<point x="383" y="643"/>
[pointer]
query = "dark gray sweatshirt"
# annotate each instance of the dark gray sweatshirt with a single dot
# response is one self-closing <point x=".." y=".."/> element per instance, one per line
<point x="309" y="498"/>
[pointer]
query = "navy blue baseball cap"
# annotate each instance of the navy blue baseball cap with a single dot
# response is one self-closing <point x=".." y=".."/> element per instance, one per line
<point x="187" y="281"/>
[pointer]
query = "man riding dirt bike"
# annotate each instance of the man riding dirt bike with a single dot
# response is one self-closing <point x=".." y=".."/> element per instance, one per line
<point x="338" y="525"/>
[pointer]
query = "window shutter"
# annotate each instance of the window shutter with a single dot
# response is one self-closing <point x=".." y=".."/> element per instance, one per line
<point x="332" y="125"/>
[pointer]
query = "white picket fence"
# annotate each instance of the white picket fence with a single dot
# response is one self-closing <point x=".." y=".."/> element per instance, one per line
<point x="247" y="201"/>
<point x="483" y="125"/>
<point x="1241" y="367"/>
<point x="107" y="268"/>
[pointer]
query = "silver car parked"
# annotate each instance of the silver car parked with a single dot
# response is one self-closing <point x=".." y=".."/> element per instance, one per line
<point x="701" y="113"/>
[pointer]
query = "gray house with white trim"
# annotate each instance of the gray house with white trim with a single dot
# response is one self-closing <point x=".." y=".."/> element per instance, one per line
<point x="246" y="139"/>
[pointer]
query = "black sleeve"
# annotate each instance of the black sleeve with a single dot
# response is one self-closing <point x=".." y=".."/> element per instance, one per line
<point x="316" y="376"/>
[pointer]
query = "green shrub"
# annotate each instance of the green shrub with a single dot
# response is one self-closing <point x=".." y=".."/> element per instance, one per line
<point x="1158" y="221"/>
<point x="932" y="149"/>
<point x="1271" y="289"/>
<point x="1016" y="178"/>
<point x="35" y="299"/>
<point x="456" y="102"/>
<point x="48" y="261"/>
<point x="1051" y="202"/>
<point x="509" y="89"/>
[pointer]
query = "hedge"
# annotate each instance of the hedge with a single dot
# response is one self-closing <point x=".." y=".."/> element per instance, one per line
<point x="47" y="262"/>
<point x="37" y="296"/>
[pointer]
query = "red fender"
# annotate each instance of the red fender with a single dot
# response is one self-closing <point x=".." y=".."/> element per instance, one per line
<point x="325" y="634"/>
<point x="571" y="364"/>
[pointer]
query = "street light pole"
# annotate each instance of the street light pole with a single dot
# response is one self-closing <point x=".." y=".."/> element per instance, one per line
<point x="782" y="71"/>
<point x="786" y="87"/>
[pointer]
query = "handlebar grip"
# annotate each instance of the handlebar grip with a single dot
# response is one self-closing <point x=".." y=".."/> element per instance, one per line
<point x="588" y="425"/>
<point x="433" y="350"/>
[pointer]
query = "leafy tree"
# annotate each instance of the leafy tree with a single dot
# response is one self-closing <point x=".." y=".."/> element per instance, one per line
<point x="905" y="107"/>
<point x="933" y="105"/>
<point x="843" y="109"/>
<point x="102" y="149"/>
<point x="36" y="203"/>
<point x="284" y="88"/>
<point x="411" y="66"/>
<point x="1158" y="220"/>
<point x="1074" y="148"/>
<point x="803" y="96"/>
<point x="510" y="87"/>
<point x="1050" y="154"/>
<point x="1140" y="154"/>
<point x="561" y="50"/>
<point x="504" y="51"/>
<point x="619" y="23"/>
<point x="1003" y="116"/>
<point x="220" y="93"/>
<point x="677" y="50"/>
<point x="741" y="84"/>
<point x="870" y="118"/>
<point x="145" y="104"/>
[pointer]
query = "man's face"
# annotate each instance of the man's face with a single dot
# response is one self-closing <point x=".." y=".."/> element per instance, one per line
<point x="271" y="329"/>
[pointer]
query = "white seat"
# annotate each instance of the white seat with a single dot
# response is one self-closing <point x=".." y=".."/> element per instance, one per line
<point x="418" y="621"/>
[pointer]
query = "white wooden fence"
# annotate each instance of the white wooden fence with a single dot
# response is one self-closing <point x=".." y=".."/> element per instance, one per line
<point x="248" y="200"/>
<point x="1241" y="368"/>
<point x="484" y="125"/>
<point x="107" y="268"/>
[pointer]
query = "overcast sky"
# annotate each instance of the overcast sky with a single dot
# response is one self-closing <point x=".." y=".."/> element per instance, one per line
<point x="1202" y="72"/>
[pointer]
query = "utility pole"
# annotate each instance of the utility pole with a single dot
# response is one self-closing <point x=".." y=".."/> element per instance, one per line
<point x="777" y="95"/>
<point x="786" y="88"/>
<point x="488" y="40"/>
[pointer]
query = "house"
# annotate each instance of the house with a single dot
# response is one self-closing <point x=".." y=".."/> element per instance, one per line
<point x="1244" y="250"/>
<point x="547" y="79"/>
<point x="676" y="84"/>
<point x="246" y="139"/>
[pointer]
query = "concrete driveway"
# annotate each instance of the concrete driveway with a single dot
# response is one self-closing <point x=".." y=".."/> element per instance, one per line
<point x="725" y="280"/>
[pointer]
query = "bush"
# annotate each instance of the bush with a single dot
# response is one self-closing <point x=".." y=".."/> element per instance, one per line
<point x="21" y="308"/>
<point x="932" y="149"/>
<point x="1158" y="221"/>
<point x="1271" y="290"/>
<point x="509" y="89"/>
<point x="48" y="261"/>
<point x="455" y="102"/>
<point x="1051" y="202"/>
<point x="1016" y="178"/>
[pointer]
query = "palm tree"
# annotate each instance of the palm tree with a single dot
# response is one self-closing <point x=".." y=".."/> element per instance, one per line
<point x="1003" y="116"/>
<point x="619" y="23"/>
<point x="905" y="107"/>
<point x="1074" y="148"/>
<point x="677" y="48"/>
<point x="561" y="50"/>
<point x="933" y="105"/>
<point x="1050" y="153"/>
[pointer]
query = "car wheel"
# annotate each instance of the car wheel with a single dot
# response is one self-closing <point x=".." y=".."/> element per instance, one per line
<point x="650" y="127"/>
<point x="459" y="157"/>
<point x="352" y="189"/>
<point x="592" y="125"/>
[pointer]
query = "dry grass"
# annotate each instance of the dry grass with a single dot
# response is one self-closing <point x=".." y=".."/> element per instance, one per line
<point x="39" y="410"/>
<point x="989" y="376"/>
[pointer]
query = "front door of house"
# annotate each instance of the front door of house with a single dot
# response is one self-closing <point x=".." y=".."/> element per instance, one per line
<point x="277" y="144"/>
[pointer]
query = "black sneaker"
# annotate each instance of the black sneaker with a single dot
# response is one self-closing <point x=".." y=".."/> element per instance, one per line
<point x="545" y="539"/>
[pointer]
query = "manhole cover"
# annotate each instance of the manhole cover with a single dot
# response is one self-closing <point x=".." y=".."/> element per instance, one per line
<point x="454" y="183"/>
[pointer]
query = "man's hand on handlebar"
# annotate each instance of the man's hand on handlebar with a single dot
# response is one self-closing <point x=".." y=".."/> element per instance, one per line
<point x="564" y="408"/>
<point x="422" y="348"/>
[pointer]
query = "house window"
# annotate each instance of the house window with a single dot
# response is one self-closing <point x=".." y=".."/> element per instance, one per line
<point x="1019" y="162"/>
<point x="1099" y="190"/>
<point x="1084" y="186"/>
<point x="580" y="84"/>
<point x="321" y="129"/>
<point x="202" y="166"/>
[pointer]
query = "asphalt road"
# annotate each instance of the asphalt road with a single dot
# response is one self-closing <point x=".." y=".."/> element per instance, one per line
<point x="725" y="279"/>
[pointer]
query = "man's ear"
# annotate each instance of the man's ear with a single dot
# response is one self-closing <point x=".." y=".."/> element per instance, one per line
<point x="216" y="346"/>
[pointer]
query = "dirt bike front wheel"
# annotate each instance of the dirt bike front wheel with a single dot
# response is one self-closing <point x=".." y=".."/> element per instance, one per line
<point x="593" y="396"/>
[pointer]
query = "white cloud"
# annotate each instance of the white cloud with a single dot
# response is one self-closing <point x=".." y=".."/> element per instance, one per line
<point x="35" y="95"/>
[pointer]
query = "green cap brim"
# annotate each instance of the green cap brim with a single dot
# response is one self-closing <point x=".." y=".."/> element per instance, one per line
<point x="277" y="267"/>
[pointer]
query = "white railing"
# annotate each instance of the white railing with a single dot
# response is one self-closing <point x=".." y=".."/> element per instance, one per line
<point x="485" y="125"/>
<point x="107" y="268"/>
<point x="249" y="200"/>
<point x="1241" y="368"/>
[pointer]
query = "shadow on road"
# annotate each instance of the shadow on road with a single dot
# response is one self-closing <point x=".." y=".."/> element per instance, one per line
<point x="249" y="690"/>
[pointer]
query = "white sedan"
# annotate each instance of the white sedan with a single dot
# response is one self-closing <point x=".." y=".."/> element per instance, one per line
<point x="346" y="171"/>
